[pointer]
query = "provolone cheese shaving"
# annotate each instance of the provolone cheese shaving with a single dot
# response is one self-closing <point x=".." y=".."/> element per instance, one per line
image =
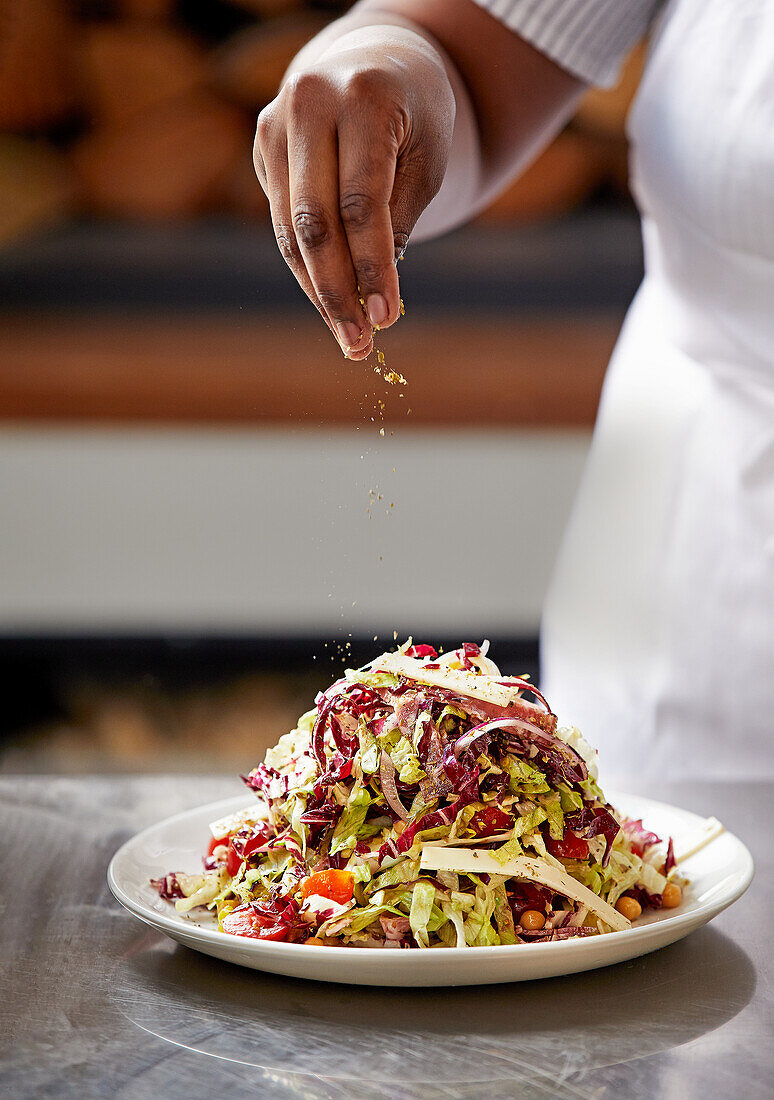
<point x="479" y="862"/>
<point x="710" y="830"/>
<point x="472" y="684"/>
<point x="240" y="819"/>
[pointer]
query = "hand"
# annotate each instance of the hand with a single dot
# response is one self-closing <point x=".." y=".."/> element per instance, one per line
<point x="349" y="154"/>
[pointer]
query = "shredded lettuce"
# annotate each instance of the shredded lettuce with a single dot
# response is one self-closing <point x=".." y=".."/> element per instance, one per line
<point x="407" y="762"/>
<point x="524" y="778"/>
<point x="528" y="823"/>
<point x="405" y="871"/>
<point x="510" y="850"/>
<point x="350" y="826"/>
<point x="570" y="800"/>
<point x="369" y="749"/>
<point x="478" y="924"/>
<point x="422" y="900"/>
<point x="372" y="679"/>
<point x="307" y="721"/>
<point x="552" y="807"/>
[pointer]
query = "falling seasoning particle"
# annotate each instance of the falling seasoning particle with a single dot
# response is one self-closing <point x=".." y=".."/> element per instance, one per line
<point x="395" y="635"/>
<point x="381" y="431"/>
<point x="402" y="308"/>
<point x="376" y="637"/>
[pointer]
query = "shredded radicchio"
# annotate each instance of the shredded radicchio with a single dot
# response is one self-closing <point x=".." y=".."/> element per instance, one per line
<point x="389" y="786"/>
<point x="646" y="900"/>
<point x="638" y="836"/>
<point x="266" y="781"/>
<point x="468" y="793"/>
<point x="590" y="822"/>
<point x="168" y="887"/>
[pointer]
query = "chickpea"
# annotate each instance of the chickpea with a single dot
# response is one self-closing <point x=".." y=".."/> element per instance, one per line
<point x="532" y="920"/>
<point x="315" y="941"/>
<point x="672" y="896"/>
<point x="399" y="827"/>
<point x="629" y="908"/>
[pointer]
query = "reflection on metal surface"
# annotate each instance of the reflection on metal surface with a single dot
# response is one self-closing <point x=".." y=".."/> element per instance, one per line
<point x="540" y="1032"/>
<point x="76" y="971"/>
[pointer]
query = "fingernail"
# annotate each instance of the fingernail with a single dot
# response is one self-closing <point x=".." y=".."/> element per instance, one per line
<point x="377" y="309"/>
<point x="349" y="333"/>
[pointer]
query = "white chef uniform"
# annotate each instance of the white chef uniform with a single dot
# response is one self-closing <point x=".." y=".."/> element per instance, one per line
<point x="658" y="632"/>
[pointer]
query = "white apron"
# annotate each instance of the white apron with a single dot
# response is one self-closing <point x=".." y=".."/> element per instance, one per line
<point x="658" y="632"/>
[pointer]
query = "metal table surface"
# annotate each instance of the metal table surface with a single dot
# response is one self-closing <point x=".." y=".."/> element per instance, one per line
<point x="95" y="1004"/>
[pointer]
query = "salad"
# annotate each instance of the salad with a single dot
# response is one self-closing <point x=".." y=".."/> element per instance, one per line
<point x="428" y="801"/>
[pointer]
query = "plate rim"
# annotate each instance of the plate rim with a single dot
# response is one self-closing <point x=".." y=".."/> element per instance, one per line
<point x="163" y="923"/>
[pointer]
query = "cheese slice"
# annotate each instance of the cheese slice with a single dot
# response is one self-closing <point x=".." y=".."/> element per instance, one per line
<point x="533" y="869"/>
<point x="240" y="819"/>
<point x="708" y="831"/>
<point x="461" y="681"/>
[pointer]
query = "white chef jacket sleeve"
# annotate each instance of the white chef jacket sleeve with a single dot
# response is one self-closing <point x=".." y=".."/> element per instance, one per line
<point x="589" y="38"/>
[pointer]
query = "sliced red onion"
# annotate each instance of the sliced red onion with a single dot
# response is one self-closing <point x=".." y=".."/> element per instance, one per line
<point x="389" y="788"/>
<point x="462" y="744"/>
<point x="524" y="685"/>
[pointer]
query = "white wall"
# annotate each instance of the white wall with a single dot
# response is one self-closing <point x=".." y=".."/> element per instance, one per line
<point x="238" y="530"/>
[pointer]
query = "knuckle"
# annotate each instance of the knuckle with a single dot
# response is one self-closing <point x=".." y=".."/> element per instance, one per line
<point x="287" y="244"/>
<point x="370" y="273"/>
<point x="311" y="226"/>
<point x="333" y="301"/>
<point x="368" y="84"/>
<point x="264" y="128"/>
<point x="357" y="208"/>
<point x="305" y="88"/>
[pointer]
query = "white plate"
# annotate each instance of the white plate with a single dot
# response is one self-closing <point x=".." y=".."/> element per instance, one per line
<point x="719" y="874"/>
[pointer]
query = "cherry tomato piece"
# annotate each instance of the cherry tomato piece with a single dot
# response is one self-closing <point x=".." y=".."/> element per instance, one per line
<point x="490" y="820"/>
<point x="233" y="861"/>
<point x="569" y="847"/>
<point x="338" y="886"/>
<point x="245" y="848"/>
<point x="255" y="842"/>
<point x="244" y="922"/>
<point x="215" y="843"/>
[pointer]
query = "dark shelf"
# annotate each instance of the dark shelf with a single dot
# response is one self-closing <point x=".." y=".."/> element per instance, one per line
<point x="589" y="261"/>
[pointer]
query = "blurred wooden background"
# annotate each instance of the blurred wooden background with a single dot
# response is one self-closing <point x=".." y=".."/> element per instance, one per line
<point x="144" y="110"/>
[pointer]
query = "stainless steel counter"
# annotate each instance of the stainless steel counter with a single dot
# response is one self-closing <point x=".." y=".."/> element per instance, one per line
<point x="95" y="1004"/>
